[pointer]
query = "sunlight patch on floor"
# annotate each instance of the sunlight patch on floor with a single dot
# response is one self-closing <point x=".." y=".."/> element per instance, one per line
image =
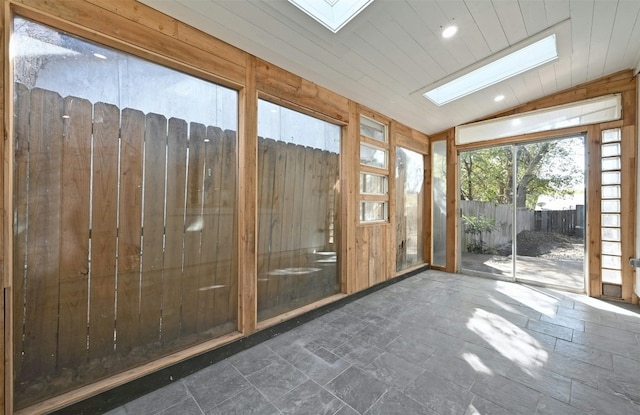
<point x="535" y="300"/>
<point x="508" y="339"/>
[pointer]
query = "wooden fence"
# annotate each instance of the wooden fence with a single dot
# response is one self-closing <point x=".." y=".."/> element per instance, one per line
<point x="559" y="221"/>
<point x="566" y="222"/>
<point x="125" y="238"/>
<point x="297" y="225"/>
<point x="502" y="216"/>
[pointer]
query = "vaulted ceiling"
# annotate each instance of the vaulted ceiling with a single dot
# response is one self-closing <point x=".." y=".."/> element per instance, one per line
<point x="388" y="54"/>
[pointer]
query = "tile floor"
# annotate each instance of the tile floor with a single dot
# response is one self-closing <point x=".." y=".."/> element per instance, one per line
<point x="435" y="343"/>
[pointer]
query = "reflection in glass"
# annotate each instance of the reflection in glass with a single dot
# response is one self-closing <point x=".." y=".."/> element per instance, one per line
<point x="409" y="208"/>
<point x="298" y="179"/>
<point x="108" y="144"/>
<point x="439" y="203"/>
<point x="373" y="156"/>
<point x="373" y="184"/>
<point x="373" y="129"/>
<point x="373" y="211"/>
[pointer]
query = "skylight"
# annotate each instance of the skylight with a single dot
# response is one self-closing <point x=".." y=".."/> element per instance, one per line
<point x="522" y="60"/>
<point x="332" y="14"/>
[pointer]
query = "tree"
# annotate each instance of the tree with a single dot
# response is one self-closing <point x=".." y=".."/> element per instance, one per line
<point x="546" y="168"/>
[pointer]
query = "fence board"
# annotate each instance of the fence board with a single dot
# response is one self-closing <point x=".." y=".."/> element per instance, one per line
<point x="277" y="219"/>
<point x="313" y="206"/>
<point x="74" y="253"/>
<point x="155" y="147"/>
<point x="226" y="296"/>
<point x="193" y="228"/>
<point x="158" y="245"/>
<point x="104" y="229"/>
<point x="43" y="262"/>
<point x="332" y="200"/>
<point x="20" y="175"/>
<point x="210" y="224"/>
<point x="129" y="231"/>
<point x="172" y="277"/>
<point x="266" y="178"/>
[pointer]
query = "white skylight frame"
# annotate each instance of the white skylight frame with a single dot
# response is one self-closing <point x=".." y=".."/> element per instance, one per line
<point x="333" y="15"/>
<point x="524" y="59"/>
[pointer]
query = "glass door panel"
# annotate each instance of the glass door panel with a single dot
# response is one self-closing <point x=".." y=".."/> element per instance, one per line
<point x="550" y="212"/>
<point x="543" y="220"/>
<point x="486" y="206"/>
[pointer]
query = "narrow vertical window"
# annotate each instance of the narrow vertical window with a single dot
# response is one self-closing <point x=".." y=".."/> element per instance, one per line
<point x="439" y="204"/>
<point x="409" y="208"/>
<point x="610" y="211"/>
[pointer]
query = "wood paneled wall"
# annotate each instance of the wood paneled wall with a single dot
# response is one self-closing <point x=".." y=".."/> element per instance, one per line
<point x="135" y="28"/>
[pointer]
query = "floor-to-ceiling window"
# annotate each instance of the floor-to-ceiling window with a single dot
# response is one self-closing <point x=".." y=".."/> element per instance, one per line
<point x="527" y="199"/>
<point x="298" y="179"/>
<point x="124" y="211"/>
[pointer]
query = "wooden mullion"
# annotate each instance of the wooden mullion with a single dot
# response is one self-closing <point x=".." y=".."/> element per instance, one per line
<point x="375" y="143"/>
<point x="374" y="198"/>
<point x="349" y="179"/>
<point x="452" y="205"/>
<point x="628" y="209"/>
<point x="390" y="233"/>
<point x="375" y="170"/>
<point x="247" y="194"/>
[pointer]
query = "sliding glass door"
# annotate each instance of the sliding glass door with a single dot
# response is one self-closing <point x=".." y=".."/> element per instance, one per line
<point x="486" y="207"/>
<point x="526" y="199"/>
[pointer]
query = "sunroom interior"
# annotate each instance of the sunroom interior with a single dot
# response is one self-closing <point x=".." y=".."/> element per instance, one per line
<point x="185" y="179"/>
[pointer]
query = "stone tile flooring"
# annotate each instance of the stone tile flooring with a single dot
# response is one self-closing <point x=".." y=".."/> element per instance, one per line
<point x="435" y="343"/>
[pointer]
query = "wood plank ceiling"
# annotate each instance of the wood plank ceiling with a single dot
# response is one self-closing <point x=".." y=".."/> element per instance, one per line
<point x="386" y="56"/>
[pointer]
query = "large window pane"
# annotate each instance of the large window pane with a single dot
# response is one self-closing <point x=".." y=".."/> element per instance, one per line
<point x="298" y="174"/>
<point x="106" y="145"/>
<point x="409" y="208"/>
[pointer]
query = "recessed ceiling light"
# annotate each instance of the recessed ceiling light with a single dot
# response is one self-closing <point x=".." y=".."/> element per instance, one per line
<point x="498" y="70"/>
<point x="99" y="55"/>
<point x="499" y="98"/>
<point x="449" y="31"/>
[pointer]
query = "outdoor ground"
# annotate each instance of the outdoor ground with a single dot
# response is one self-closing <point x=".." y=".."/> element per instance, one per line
<point x="543" y="257"/>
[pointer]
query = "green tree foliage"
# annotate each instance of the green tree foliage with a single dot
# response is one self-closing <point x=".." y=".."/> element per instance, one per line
<point x="476" y="226"/>
<point x="552" y="168"/>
